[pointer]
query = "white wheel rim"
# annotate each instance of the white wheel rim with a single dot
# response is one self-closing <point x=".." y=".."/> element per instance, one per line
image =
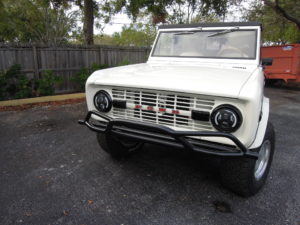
<point x="263" y="159"/>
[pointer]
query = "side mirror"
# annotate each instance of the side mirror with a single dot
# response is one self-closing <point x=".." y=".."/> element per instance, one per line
<point x="267" y="61"/>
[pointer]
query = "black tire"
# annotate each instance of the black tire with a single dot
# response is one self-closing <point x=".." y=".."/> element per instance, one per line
<point x="241" y="176"/>
<point x="117" y="148"/>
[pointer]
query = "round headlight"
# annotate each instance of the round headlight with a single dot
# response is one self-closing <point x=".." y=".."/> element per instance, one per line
<point x="226" y="118"/>
<point x="102" y="101"/>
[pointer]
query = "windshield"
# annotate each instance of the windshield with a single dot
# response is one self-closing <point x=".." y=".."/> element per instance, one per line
<point x="231" y="43"/>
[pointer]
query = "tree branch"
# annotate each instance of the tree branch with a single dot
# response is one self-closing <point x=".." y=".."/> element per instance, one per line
<point x="279" y="10"/>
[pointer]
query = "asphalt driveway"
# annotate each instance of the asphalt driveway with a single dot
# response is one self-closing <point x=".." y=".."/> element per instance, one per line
<point x="53" y="172"/>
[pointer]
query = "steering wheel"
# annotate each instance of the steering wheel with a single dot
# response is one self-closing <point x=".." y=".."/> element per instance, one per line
<point x="191" y="54"/>
<point x="231" y="52"/>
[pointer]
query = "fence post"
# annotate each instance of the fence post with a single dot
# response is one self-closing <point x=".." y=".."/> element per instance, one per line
<point x="35" y="63"/>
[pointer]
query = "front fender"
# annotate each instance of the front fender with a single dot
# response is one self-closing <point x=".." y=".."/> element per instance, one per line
<point x="262" y="126"/>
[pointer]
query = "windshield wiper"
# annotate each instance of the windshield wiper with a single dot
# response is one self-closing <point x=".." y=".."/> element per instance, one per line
<point x="184" y="32"/>
<point x="191" y="31"/>
<point x="224" y="32"/>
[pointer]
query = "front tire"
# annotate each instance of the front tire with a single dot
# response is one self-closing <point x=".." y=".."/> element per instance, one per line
<point x="246" y="176"/>
<point x="116" y="147"/>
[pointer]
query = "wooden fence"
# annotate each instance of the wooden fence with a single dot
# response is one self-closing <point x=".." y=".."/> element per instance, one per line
<point x="65" y="61"/>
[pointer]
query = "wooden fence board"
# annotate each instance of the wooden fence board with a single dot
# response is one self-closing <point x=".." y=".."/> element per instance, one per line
<point x="65" y="61"/>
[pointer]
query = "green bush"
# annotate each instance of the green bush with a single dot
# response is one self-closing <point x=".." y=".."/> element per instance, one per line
<point x="24" y="89"/>
<point x="124" y="62"/>
<point x="14" y="85"/>
<point x="96" y="66"/>
<point x="2" y="85"/>
<point x="81" y="76"/>
<point x="46" y="84"/>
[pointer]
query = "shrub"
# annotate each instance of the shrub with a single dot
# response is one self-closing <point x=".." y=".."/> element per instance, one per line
<point x="24" y="89"/>
<point x="46" y="84"/>
<point x="2" y="85"/>
<point x="124" y="62"/>
<point x="81" y="76"/>
<point x="96" y="66"/>
<point x="13" y="84"/>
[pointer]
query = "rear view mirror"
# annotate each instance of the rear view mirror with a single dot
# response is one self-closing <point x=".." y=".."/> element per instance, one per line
<point x="267" y="61"/>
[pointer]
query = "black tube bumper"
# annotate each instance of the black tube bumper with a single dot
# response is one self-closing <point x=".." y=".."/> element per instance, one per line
<point x="163" y="135"/>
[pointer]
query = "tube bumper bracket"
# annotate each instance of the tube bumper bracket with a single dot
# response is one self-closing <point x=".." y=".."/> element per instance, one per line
<point x="158" y="134"/>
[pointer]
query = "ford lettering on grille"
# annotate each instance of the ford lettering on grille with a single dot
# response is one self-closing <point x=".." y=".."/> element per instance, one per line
<point x="161" y="107"/>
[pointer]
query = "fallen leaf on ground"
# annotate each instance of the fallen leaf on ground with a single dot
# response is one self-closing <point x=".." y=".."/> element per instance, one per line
<point x="223" y="207"/>
<point x="66" y="213"/>
<point x="28" y="214"/>
<point x="47" y="182"/>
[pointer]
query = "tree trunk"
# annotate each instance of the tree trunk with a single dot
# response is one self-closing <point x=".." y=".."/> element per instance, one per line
<point x="88" y="22"/>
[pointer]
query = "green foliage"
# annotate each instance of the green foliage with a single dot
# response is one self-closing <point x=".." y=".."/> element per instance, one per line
<point x="96" y="66"/>
<point x="191" y="11"/>
<point x="174" y="11"/>
<point x="137" y="35"/>
<point x="211" y="18"/>
<point x="276" y="29"/>
<point x="46" y="84"/>
<point x="38" y="21"/>
<point x="103" y="39"/>
<point x="124" y="62"/>
<point x="13" y="84"/>
<point x="23" y="88"/>
<point x="81" y="76"/>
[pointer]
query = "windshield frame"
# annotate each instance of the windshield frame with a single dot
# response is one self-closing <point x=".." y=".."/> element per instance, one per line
<point x="205" y="30"/>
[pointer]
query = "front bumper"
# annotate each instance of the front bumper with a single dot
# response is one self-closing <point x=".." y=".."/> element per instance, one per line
<point x="163" y="135"/>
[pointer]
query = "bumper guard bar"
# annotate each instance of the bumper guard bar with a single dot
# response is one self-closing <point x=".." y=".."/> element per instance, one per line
<point x="158" y="134"/>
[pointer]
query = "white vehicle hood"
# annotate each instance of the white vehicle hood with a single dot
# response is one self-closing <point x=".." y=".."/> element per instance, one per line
<point x="206" y="80"/>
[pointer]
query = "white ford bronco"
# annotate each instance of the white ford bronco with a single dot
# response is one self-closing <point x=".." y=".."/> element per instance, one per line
<point x="202" y="89"/>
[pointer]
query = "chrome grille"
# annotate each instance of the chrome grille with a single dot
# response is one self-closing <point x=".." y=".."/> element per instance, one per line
<point x="161" y="99"/>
